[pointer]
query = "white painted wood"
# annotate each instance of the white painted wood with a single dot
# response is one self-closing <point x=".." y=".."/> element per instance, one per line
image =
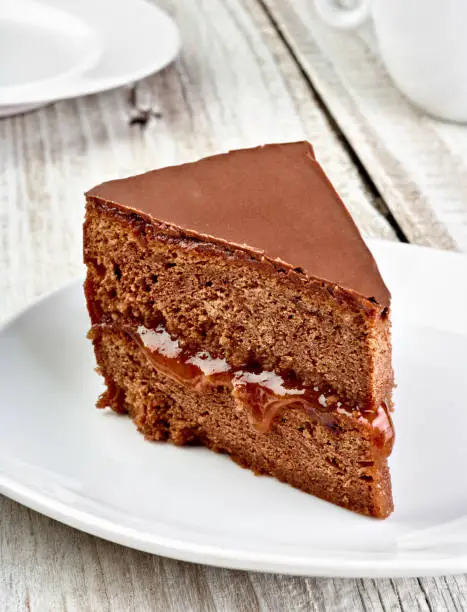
<point x="418" y="164"/>
<point x="234" y="85"/>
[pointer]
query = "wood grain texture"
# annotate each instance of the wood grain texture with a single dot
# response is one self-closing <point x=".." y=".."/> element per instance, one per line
<point x="418" y="164"/>
<point x="234" y="85"/>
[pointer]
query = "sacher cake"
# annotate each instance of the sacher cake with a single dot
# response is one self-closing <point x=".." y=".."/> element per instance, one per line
<point x="235" y="305"/>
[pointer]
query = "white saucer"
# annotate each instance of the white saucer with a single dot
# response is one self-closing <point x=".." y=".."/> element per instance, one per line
<point x="103" y="44"/>
<point x="44" y="47"/>
<point x="92" y="470"/>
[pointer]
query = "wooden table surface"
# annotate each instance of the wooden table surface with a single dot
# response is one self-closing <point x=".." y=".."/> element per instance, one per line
<point x="250" y="71"/>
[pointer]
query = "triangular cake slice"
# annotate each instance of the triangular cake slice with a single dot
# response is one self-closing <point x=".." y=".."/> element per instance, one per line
<point x="234" y="304"/>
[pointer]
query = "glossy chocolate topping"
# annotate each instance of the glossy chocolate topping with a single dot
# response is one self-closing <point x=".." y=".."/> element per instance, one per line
<point x="274" y="199"/>
<point x="263" y="395"/>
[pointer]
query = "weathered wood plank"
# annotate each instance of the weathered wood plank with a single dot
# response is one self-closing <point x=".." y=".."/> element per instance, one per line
<point x="417" y="163"/>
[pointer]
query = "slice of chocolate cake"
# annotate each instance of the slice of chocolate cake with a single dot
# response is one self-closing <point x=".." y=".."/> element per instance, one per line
<point x="234" y="304"/>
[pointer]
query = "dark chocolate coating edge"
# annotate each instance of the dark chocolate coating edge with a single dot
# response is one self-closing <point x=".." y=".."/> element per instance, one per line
<point x="277" y="206"/>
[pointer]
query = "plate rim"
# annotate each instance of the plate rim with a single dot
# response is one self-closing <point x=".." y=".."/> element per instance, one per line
<point x="84" y="86"/>
<point x="92" y="56"/>
<point x="317" y="563"/>
<point x="231" y="558"/>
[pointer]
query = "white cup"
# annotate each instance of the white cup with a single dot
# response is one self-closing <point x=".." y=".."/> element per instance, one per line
<point x="423" y="44"/>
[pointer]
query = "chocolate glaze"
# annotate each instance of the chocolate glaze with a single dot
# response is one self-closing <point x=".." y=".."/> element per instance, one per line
<point x="273" y="200"/>
<point x="263" y="395"/>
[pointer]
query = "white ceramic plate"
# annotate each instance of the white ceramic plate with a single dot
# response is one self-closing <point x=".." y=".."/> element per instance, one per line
<point x="92" y="470"/>
<point x="42" y="47"/>
<point x="101" y="44"/>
